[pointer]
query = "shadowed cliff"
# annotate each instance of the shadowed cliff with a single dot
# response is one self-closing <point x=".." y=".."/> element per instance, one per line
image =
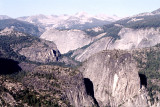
<point x="8" y="66"/>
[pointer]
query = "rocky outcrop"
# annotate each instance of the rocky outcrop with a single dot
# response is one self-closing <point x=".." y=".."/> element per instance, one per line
<point x="8" y="91"/>
<point x="115" y="79"/>
<point x="67" y="40"/>
<point x="43" y="51"/>
<point x="8" y="99"/>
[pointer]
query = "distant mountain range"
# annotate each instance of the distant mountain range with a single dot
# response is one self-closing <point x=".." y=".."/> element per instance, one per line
<point x="21" y="26"/>
<point x="4" y="17"/>
<point x="80" y="20"/>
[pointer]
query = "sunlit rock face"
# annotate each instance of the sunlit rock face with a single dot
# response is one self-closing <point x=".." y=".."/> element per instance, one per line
<point x="140" y="38"/>
<point x="115" y="79"/>
<point x="67" y="40"/>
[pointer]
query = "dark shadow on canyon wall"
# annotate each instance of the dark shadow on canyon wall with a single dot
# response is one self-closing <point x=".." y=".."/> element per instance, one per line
<point x="9" y="66"/>
<point x="143" y="80"/>
<point x="90" y="89"/>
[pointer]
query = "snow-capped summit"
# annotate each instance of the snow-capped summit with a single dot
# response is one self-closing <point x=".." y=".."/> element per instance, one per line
<point x="82" y="14"/>
<point x="107" y="17"/>
<point x="81" y="20"/>
<point x="33" y="19"/>
<point x="4" y="17"/>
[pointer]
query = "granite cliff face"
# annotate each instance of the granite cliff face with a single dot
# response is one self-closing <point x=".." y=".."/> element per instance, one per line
<point x="137" y="38"/>
<point x="67" y="40"/>
<point x="97" y="46"/>
<point x="115" y="79"/>
<point x="40" y="51"/>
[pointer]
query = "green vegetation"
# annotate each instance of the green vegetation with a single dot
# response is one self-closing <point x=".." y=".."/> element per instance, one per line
<point x="150" y="66"/>
<point x="149" y="21"/>
<point x="146" y="22"/>
<point x="17" y="77"/>
<point x="92" y="32"/>
<point x="34" y="99"/>
<point x="112" y="30"/>
<point x="45" y="75"/>
<point x="31" y="96"/>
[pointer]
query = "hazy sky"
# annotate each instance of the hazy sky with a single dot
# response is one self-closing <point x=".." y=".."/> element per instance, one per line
<point x="121" y="8"/>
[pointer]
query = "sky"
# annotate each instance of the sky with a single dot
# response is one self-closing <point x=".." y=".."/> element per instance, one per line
<point x="121" y="8"/>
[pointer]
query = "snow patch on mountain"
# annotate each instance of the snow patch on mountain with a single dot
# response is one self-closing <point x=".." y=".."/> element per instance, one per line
<point x="135" y="20"/>
<point x="78" y="21"/>
<point x="95" y="29"/>
<point x="107" y="17"/>
<point x="143" y="14"/>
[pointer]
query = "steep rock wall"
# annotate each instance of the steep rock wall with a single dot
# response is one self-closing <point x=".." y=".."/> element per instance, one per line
<point x="67" y="40"/>
<point x="115" y="78"/>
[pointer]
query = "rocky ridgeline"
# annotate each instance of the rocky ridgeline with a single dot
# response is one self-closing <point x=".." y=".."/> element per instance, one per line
<point x="129" y="39"/>
<point x="10" y="32"/>
<point x="80" y="20"/>
<point x="20" y="26"/>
